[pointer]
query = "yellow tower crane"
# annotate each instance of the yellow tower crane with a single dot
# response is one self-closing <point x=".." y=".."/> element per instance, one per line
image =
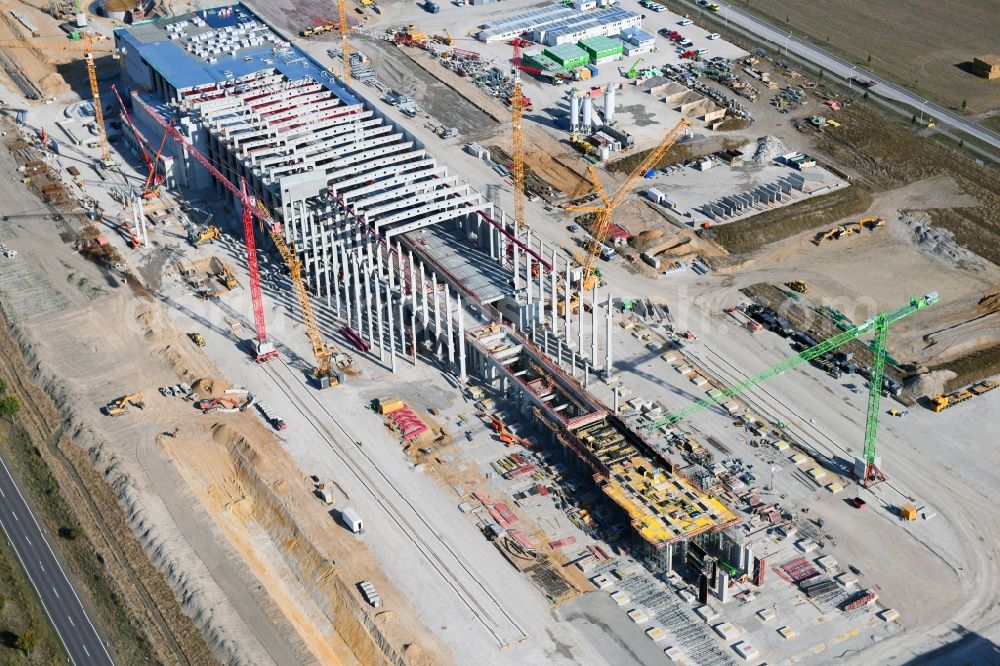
<point x="342" y="16"/>
<point x="87" y="46"/>
<point x="602" y="223"/>
<point x="517" y="148"/>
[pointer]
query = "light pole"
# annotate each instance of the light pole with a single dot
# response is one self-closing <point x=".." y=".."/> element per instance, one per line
<point x="787" y="37"/>
<point x="922" y="105"/>
<point x="770" y="485"/>
<point x="850" y="78"/>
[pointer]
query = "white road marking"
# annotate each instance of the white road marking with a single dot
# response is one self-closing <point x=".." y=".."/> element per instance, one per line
<point x="28" y="540"/>
<point x="85" y="649"/>
<point x="13" y="514"/>
<point x="2" y="495"/>
<point x="71" y="620"/>
<point x="56" y="593"/>
<point x="42" y="567"/>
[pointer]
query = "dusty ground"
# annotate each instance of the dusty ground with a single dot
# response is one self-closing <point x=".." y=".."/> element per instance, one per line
<point x="923" y="45"/>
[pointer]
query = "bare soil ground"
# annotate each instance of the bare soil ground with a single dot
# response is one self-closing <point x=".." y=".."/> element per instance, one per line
<point x="926" y="46"/>
<point x="133" y="602"/>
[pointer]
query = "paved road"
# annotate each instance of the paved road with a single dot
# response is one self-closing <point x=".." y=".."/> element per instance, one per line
<point x="785" y="42"/>
<point x="58" y="596"/>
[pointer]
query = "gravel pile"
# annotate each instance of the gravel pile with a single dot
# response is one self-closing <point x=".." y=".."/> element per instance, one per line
<point x="768" y="147"/>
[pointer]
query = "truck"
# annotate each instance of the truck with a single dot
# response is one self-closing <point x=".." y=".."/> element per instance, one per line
<point x="324" y="491"/>
<point x="941" y="402"/>
<point x="432" y="7"/>
<point x="352" y="520"/>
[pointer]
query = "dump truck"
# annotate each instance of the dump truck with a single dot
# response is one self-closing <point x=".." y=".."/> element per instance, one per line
<point x="941" y="402"/>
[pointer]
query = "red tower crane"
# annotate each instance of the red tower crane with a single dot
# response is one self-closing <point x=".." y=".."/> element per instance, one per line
<point x="263" y="348"/>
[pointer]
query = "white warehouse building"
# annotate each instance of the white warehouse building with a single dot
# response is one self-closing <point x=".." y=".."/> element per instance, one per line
<point x="557" y="24"/>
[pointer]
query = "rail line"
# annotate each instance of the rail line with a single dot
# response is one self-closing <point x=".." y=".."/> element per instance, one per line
<point x="725" y="368"/>
<point x="374" y="486"/>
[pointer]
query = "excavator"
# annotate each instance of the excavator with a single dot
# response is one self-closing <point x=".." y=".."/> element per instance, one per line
<point x="506" y="436"/>
<point x="120" y="406"/>
<point x="799" y="286"/>
<point x="224" y="404"/>
<point x="203" y="235"/>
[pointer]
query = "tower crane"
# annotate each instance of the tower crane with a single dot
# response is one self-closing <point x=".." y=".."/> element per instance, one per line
<point x="517" y="148"/>
<point x="602" y="222"/>
<point x="866" y="470"/>
<point x="151" y="189"/>
<point x="321" y="351"/>
<point x="344" y="50"/>
<point x="87" y="46"/>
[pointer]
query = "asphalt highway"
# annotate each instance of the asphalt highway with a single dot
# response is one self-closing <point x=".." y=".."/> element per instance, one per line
<point x="58" y="597"/>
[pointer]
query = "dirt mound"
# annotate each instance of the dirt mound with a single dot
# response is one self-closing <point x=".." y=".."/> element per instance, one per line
<point x="989" y="303"/>
<point x="210" y="387"/>
<point x="927" y="384"/>
<point x="643" y="240"/>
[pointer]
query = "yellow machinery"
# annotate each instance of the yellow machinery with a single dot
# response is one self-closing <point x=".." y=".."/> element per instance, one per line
<point x="227" y="278"/>
<point x="321" y="352"/>
<point x="517" y="150"/>
<point x="942" y="402"/>
<point x="120" y="406"/>
<point x="872" y="222"/>
<point x="799" y="286"/>
<point x="204" y="235"/>
<point x="197" y="338"/>
<point x="344" y="49"/>
<point x="416" y="34"/>
<point x="602" y="223"/>
<point x="87" y="46"/>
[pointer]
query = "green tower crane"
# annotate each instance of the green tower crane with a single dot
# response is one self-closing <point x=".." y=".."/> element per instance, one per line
<point x="880" y="325"/>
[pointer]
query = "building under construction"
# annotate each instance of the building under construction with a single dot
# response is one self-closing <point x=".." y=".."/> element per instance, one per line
<point x="398" y="250"/>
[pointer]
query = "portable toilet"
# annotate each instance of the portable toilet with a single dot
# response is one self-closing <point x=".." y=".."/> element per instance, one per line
<point x="352" y="520"/>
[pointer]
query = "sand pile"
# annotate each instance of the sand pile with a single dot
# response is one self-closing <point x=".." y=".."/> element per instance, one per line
<point x="644" y="239"/>
<point x="927" y="384"/>
<point x="210" y="387"/>
<point x="940" y="242"/>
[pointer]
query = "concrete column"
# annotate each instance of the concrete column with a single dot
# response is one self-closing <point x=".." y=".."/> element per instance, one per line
<point x="615" y="391"/>
<point x="555" y="295"/>
<point x="346" y="283"/>
<point x="437" y="316"/>
<point x="335" y="279"/>
<point x="447" y="316"/>
<point x="402" y="325"/>
<point x="366" y="276"/>
<point x="593" y="327"/>
<point x="559" y="351"/>
<point x="378" y="311"/>
<point x="423" y="298"/>
<point x="529" y="280"/>
<point x="413" y="277"/>
<point x="389" y="263"/>
<point x="516" y="257"/>
<point x="541" y="286"/>
<point x="579" y="326"/>
<point x="568" y="313"/>
<point x="607" y="341"/>
<point x="356" y="281"/>
<point x="461" y="341"/>
<point x="572" y="362"/>
<point x="391" y="332"/>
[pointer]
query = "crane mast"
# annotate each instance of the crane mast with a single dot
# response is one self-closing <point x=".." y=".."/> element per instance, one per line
<point x="345" y="53"/>
<point x="517" y="148"/>
<point x="880" y="325"/>
<point x="602" y="223"/>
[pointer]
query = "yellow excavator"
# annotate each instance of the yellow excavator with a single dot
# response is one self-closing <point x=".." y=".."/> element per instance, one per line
<point x="799" y="286"/>
<point x="203" y="235"/>
<point x="120" y="406"/>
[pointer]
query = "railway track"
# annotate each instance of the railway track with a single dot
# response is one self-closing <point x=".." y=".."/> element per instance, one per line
<point x="472" y="593"/>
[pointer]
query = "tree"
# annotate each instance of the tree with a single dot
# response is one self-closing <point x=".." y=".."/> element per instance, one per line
<point x="913" y="119"/>
<point x="965" y="103"/>
<point x="3" y="386"/>
<point x="869" y="57"/>
<point x="961" y="143"/>
<point x="26" y="641"/>
<point x="822" y="72"/>
<point x="9" y="406"/>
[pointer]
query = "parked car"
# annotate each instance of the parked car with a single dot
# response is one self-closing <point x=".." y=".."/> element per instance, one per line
<point x="685" y="21"/>
<point x="713" y="35"/>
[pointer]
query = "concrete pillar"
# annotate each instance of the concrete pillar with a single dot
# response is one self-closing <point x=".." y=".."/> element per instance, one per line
<point x="447" y="316"/>
<point x="437" y="316"/>
<point x="579" y="325"/>
<point x="568" y="313"/>
<point x="461" y="341"/>
<point x="593" y="328"/>
<point x="389" y="260"/>
<point x="391" y="332"/>
<point x="540" y="318"/>
<point x="616" y="406"/>
<point x="529" y="280"/>
<point x="402" y="325"/>
<point x="347" y="284"/>
<point x="335" y="279"/>
<point x="607" y="341"/>
<point x="555" y="294"/>
<point x="559" y="351"/>
<point x="378" y="311"/>
<point x="516" y="257"/>
<point x="366" y="275"/>
<point x="356" y="282"/>
<point x="423" y="299"/>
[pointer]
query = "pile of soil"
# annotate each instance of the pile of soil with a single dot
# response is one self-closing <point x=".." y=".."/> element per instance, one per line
<point x="210" y="387"/>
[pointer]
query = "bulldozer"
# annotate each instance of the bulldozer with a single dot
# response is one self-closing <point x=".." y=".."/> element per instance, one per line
<point x="798" y="286"/>
<point x="203" y="235"/>
<point x="120" y="406"/>
<point x="872" y="222"/>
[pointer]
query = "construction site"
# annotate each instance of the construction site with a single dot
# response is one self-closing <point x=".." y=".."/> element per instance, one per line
<point x="580" y="333"/>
